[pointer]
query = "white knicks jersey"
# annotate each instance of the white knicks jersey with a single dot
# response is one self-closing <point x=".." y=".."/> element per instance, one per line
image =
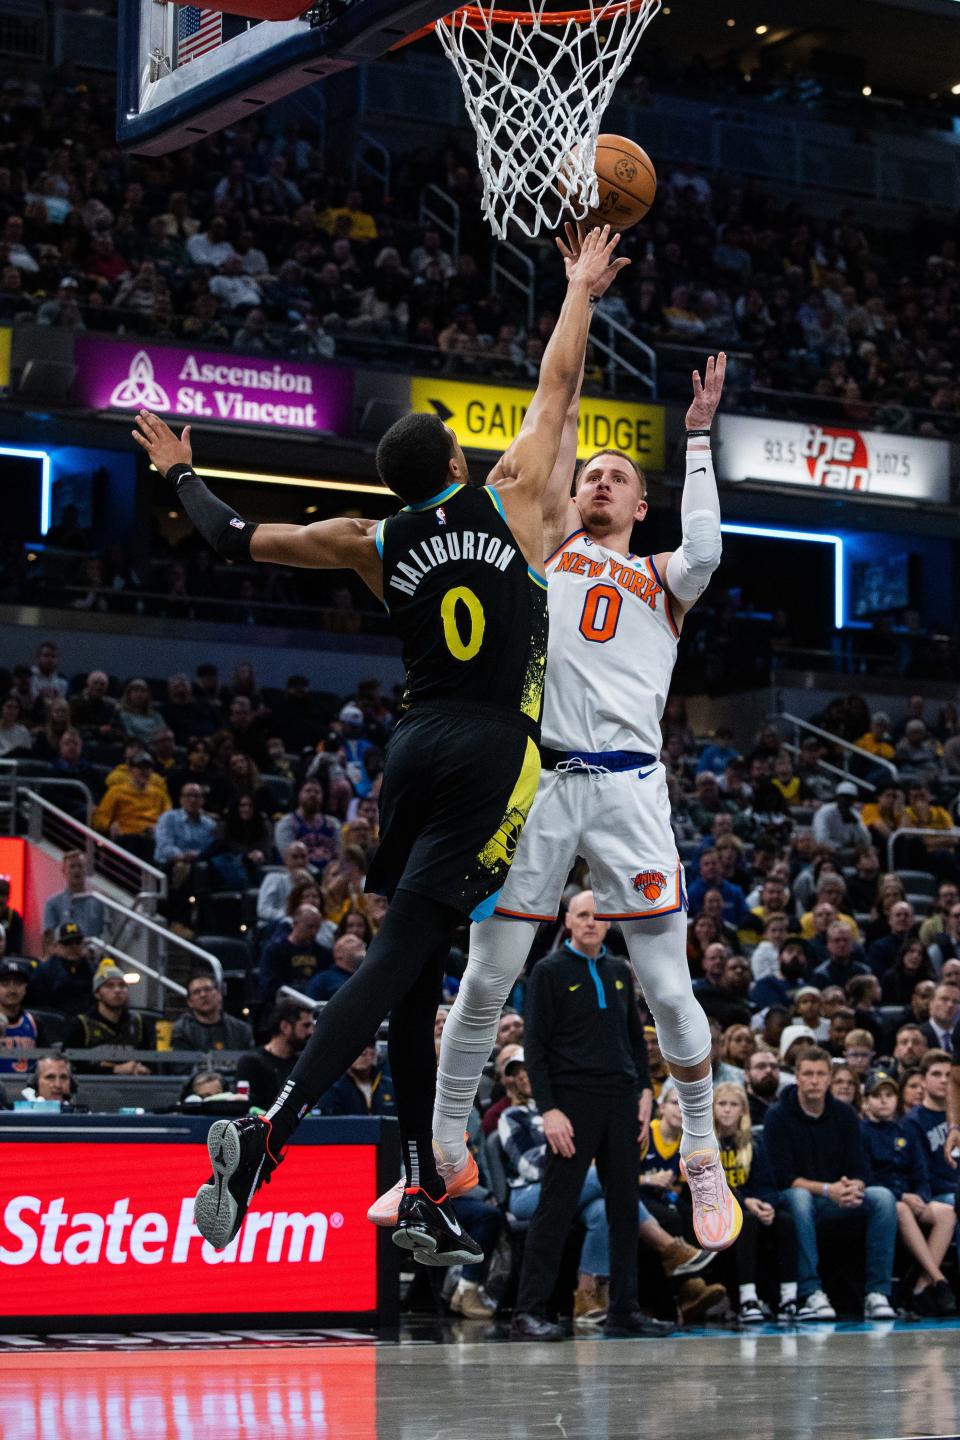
<point x="611" y="652"/>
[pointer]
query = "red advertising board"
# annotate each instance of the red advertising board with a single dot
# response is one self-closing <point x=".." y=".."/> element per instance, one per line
<point x="106" y="1229"/>
<point x="13" y="864"/>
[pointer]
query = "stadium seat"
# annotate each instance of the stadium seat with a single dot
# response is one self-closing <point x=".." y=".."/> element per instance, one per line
<point x="221" y="911"/>
<point x="238" y="961"/>
<point x="53" y="1023"/>
<point x="918" y="881"/>
<point x="281" y="789"/>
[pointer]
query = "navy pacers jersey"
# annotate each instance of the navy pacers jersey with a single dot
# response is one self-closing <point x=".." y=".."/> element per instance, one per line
<point x="470" y="612"/>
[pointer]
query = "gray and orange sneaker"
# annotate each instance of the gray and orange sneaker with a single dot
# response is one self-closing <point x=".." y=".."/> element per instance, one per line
<point x="386" y="1207"/>
<point x="717" y="1217"/>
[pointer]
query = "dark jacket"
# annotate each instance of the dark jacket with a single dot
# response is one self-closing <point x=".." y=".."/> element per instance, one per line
<point x="931" y="1128"/>
<point x="266" y="1074"/>
<point x="582" y="1027"/>
<point x="345" y="1097"/>
<point x="227" y="1033"/>
<point x="722" y="1005"/>
<point x="134" y="1031"/>
<point x="57" y="985"/>
<point x="284" y="963"/>
<point x="895" y="1155"/>
<point x="822" y="1148"/>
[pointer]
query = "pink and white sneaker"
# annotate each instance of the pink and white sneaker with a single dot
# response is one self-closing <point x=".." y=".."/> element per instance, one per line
<point x="385" y="1208"/>
<point x="717" y="1217"/>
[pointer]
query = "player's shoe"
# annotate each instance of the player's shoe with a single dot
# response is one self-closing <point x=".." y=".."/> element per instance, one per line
<point x="431" y="1230"/>
<point x="386" y="1207"/>
<point x="240" y="1154"/>
<point x="717" y="1217"/>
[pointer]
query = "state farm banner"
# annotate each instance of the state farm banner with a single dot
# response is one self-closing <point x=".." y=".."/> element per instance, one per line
<point x="104" y="1227"/>
<point x="200" y="385"/>
<point x="833" y="457"/>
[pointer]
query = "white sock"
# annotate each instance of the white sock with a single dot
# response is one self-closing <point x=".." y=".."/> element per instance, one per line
<point x="498" y="950"/>
<point x="696" y="1107"/>
<point x="747" y="1292"/>
<point x="788" y="1291"/>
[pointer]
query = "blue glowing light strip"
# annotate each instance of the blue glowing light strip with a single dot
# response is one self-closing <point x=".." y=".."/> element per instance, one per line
<point x="44" y="458"/>
<point x="765" y="532"/>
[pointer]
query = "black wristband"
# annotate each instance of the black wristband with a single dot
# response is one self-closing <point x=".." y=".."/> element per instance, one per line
<point x="698" y="434"/>
<point x="177" y="472"/>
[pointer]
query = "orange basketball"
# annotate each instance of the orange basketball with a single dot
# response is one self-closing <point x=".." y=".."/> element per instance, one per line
<point x="627" y="180"/>
<point x="651" y="892"/>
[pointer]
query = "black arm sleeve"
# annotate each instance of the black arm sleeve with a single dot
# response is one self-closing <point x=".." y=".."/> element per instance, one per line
<point x="221" y="527"/>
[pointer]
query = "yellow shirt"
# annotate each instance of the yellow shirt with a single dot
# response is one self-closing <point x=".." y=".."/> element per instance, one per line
<point x="121" y="775"/>
<point x="883" y="748"/>
<point x="807" y="931"/>
<point x="362" y="225"/>
<point x="871" y="814"/>
<point x="133" y="810"/>
<point x="938" y="819"/>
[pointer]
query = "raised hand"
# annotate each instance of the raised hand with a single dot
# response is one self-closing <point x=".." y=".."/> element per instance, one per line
<point x="587" y="255"/>
<point x="706" y="396"/>
<point x="160" y="443"/>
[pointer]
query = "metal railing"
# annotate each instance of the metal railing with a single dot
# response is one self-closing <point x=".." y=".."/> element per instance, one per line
<point x="833" y="770"/>
<point x="433" y="202"/>
<point x="850" y="751"/>
<point x="159" y="981"/>
<point x="372" y="157"/>
<point x="619" y="343"/>
<point x="911" y="832"/>
<point x="520" y="274"/>
<point x="166" y="951"/>
<point x="104" y="857"/>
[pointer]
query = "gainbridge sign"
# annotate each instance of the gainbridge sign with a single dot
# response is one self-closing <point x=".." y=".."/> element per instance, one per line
<point x="834" y="457"/>
<point x="489" y="417"/>
<point x="102" y="1225"/>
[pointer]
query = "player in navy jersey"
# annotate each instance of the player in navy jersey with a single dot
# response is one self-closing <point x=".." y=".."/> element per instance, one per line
<point x="460" y="570"/>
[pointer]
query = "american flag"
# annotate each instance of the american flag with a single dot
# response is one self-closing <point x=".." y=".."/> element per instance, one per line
<point x="198" y="32"/>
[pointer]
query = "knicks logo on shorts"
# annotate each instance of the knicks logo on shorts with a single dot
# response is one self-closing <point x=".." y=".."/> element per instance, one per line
<point x="650" y="883"/>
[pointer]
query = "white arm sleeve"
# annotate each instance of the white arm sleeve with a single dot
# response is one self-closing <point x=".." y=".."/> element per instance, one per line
<point x="689" y="568"/>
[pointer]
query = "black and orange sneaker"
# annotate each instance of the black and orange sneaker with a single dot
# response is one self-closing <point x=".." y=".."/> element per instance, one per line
<point x="431" y="1230"/>
<point x="239" y="1152"/>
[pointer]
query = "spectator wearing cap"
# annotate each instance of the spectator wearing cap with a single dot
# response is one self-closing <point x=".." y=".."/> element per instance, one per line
<point x="129" y="811"/>
<point x="75" y="902"/>
<point x="895" y="1154"/>
<point x="841" y="963"/>
<point x="837" y="823"/>
<point x="808" y="1008"/>
<point x="319" y="832"/>
<point x="20" y="1032"/>
<point x="63" y="309"/>
<point x="295" y="957"/>
<point x="206" y="1026"/>
<point x="781" y="987"/>
<point x="877" y="740"/>
<point x="816" y="1152"/>
<point x="10" y="919"/>
<point x="365" y="1088"/>
<point x="355" y="747"/>
<point x="63" y="981"/>
<point x="110" y="1021"/>
<point x="794" y="1039"/>
<point x="122" y="773"/>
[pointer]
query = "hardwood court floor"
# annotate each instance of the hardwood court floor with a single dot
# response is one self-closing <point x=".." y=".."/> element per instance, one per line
<point x="843" y="1382"/>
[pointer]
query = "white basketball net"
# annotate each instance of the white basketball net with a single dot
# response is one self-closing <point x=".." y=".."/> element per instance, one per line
<point x="536" y="92"/>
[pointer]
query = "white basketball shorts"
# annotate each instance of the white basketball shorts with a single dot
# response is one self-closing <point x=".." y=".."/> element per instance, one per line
<point x="620" y="824"/>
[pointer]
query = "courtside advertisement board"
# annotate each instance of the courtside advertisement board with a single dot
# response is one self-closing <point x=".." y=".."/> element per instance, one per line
<point x="834" y="457"/>
<point x="101" y="1225"/>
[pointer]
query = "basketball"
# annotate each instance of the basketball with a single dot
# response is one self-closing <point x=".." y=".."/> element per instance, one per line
<point x="627" y="180"/>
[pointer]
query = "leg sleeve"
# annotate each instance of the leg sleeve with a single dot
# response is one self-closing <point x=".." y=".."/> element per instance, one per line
<point x="658" y="954"/>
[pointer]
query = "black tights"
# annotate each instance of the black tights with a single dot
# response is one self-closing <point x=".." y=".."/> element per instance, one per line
<point x="401" y="975"/>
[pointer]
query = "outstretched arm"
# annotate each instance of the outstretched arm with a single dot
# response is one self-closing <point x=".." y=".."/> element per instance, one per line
<point x="340" y="544"/>
<point x="687" y="571"/>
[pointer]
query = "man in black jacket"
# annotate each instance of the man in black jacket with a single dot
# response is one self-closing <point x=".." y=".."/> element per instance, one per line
<point x="815" y="1147"/>
<point x="587" y="1062"/>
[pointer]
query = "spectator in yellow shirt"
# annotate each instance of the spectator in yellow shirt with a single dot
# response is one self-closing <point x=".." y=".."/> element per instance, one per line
<point x="362" y="227"/>
<point x="877" y="740"/>
<point x="122" y="774"/>
<point x="885" y="814"/>
<point x="935" y="852"/>
<point x="130" y="809"/>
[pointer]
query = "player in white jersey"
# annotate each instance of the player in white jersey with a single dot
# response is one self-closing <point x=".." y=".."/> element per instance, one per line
<point x="615" y="619"/>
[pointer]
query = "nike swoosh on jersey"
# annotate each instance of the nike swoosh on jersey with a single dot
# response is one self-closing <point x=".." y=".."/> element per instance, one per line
<point x="575" y="987"/>
<point x="642" y="774"/>
<point x="702" y="470"/>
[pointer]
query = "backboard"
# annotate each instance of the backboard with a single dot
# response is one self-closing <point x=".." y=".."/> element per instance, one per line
<point x="185" y="72"/>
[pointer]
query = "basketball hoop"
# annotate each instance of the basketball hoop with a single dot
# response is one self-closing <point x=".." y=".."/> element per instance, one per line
<point x="536" y="83"/>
